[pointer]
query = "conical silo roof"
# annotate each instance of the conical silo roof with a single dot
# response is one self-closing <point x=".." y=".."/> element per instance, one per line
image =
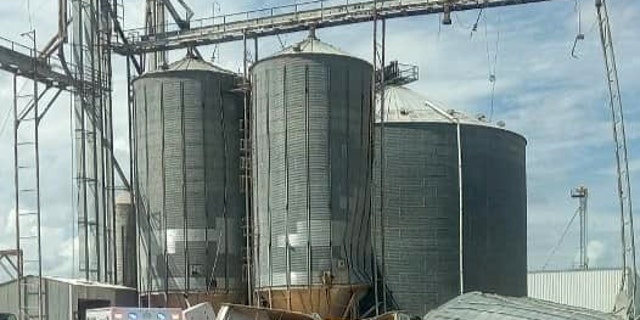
<point x="312" y="45"/>
<point x="405" y="105"/>
<point x="190" y="63"/>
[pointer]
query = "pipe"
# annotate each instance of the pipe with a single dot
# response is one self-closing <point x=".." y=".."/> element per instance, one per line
<point x="456" y="120"/>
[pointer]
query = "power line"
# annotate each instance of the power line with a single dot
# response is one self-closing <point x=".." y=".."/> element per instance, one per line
<point x="29" y="17"/>
<point x="5" y="121"/>
<point x="492" y="62"/>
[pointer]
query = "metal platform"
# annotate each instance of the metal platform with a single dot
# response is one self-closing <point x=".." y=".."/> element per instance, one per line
<point x="292" y="18"/>
<point x="18" y="59"/>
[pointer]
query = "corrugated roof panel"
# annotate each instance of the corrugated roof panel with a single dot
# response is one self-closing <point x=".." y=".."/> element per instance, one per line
<point x="189" y="63"/>
<point x="312" y="45"/>
<point x="594" y="289"/>
<point x="480" y="306"/>
<point x="402" y="104"/>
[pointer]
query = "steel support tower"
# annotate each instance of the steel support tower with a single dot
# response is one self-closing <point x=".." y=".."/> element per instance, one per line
<point x="626" y="300"/>
<point x="91" y="36"/>
<point x="582" y="194"/>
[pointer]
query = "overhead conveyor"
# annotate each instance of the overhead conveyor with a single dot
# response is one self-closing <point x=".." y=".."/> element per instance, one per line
<point x="291" y="18"/>
<point x="19" y="59"/>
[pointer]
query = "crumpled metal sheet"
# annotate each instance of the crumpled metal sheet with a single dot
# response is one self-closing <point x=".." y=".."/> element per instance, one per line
<point x="480" y="306"/>
<point x="242" y="312"/>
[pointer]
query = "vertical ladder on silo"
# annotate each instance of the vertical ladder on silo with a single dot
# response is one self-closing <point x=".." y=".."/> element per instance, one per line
<point x="27" y="196"/>
<point x="245" y="178"/>
<point x="245" y="167"/>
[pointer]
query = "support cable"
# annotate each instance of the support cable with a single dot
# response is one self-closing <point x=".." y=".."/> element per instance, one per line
<point x="382" y="167"/>
<point x="373" y="223"/>
<point x="4" y="122"/>
<point x="579" y="36"/>
<point x="29" y="16"/>
<point x="492" y="62"/>
<point x="474" y="28"/>
<point x="564" y="233"/>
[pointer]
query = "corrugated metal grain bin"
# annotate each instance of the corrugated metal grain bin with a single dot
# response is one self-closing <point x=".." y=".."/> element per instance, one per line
<point x="593" y="289"/>
<point x="417" y="236"/>
<point x="187" y="151"/>
<point x="311" y="118"/>
<point x="65" y="299"/>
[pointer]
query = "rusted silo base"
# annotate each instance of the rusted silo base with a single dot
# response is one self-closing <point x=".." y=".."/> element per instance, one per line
<point x="330" y="303"/>
<point x="178" y="299"/>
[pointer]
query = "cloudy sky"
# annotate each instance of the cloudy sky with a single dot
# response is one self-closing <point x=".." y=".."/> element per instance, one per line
<point x="557" y="102"/>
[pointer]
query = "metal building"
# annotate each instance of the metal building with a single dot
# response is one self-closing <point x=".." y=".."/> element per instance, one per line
<point x="595" y="289"/>
<point x="65" y="299"/>
<point x="189" y="202"/>
<point x="439" y="165"/>
<point x="126" y="242"/>
<point x="480" y="306"/>
<point x="311" y="122"/>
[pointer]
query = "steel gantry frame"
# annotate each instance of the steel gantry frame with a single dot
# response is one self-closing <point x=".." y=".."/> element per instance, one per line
<point x="292" y="18"/>
<point x="27" y="191"/>
<point x="95" y="183"/>
<point x="50" y="73"/>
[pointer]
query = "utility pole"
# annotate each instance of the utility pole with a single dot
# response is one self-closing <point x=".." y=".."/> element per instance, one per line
<point x="582" y="194"/>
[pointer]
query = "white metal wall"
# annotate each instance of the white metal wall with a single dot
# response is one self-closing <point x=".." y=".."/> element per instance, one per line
<point x="61" y="297"/>
<point x="593" y="289"/>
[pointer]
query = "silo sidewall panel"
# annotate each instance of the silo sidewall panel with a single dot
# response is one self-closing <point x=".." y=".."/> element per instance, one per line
<point x="495" y="202"/>
<point x="188" y="172"/>
<point x="310" y="159"/>
<point x="420" y="213"/>
<point x="417" y="227"/>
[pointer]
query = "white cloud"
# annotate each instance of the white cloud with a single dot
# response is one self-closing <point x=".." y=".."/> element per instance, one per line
<point x="58" y="245"/>
<point x="595" y="251"/>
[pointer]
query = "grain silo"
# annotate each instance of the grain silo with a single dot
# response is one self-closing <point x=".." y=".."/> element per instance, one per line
<point x="420" y="220"/>
<point x="126" y="242"/>
<point x="311" y="123"/>
<point x="189" y="200"/>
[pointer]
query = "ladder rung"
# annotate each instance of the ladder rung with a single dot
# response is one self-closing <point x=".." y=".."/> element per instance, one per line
<point x="28" y="238"/>
<point x="27" y="190"/>
<point x="30" y="213"/>
<point x="26" y="143"/>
